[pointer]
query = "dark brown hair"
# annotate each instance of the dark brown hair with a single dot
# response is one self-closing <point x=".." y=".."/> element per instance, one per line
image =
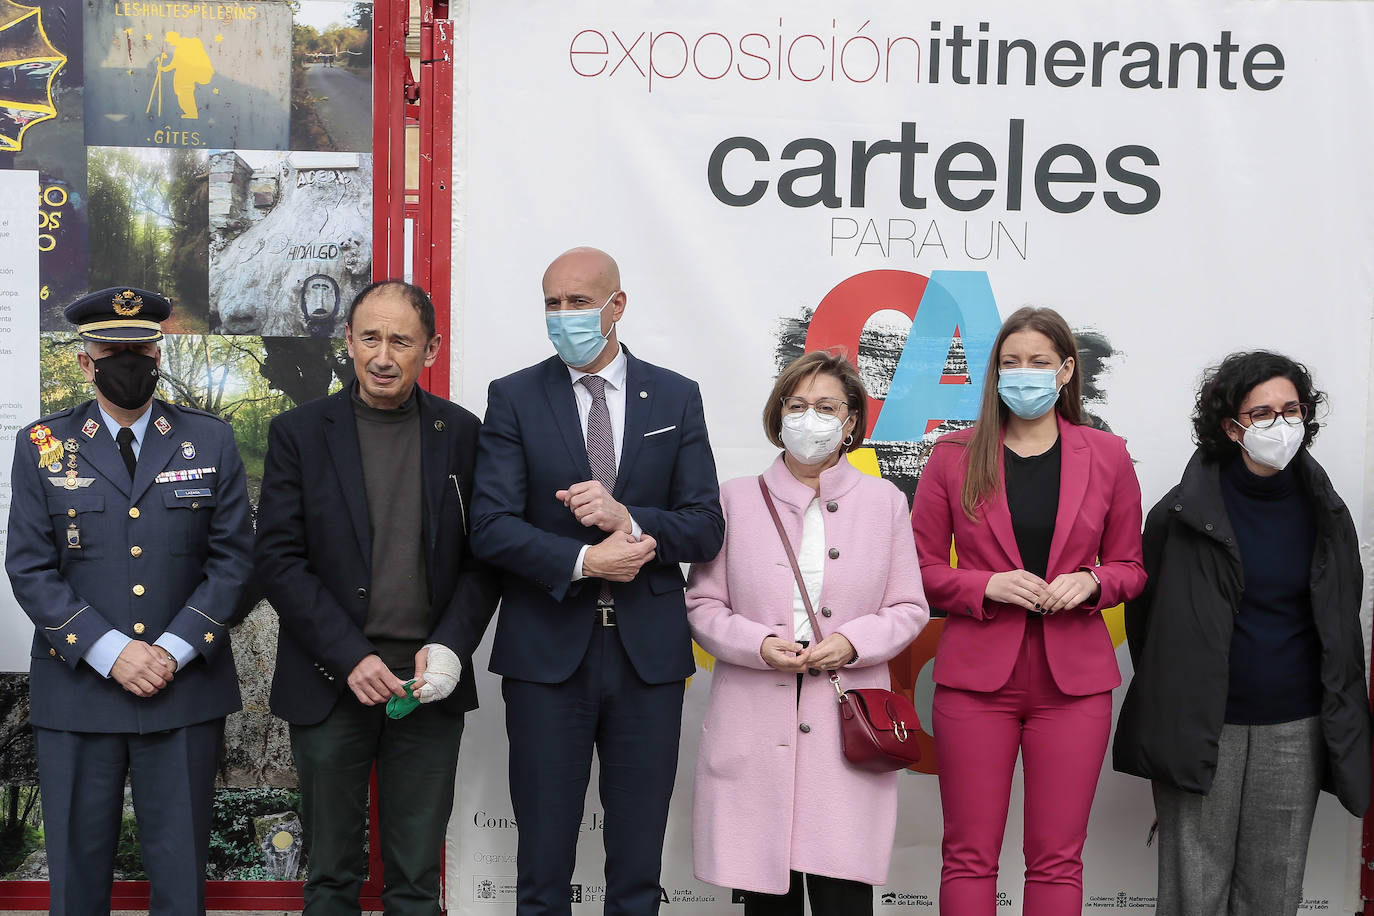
<point x="1226" y="386"/>
<point x="982" y="467"/>
<point x="802" y="369"/>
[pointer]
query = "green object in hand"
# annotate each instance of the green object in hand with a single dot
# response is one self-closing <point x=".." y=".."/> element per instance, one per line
<point x="399" y="707"/>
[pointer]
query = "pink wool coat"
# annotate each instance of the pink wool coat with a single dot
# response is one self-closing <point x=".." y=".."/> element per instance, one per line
<point x="773" y="790"/>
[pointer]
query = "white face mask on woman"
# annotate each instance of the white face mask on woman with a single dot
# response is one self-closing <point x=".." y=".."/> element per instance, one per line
<point x="1273" y="447"/>
<point x="810" y="437"/>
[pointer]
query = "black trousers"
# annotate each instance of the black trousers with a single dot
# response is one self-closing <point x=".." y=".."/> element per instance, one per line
<point x="416" y="759"/>
<point x="829" y="897"/>
<point x="633" y="727"/>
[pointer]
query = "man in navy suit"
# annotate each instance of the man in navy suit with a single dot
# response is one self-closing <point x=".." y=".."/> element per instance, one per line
<point x="129" y="546"/>
<point x="363" y="551"/>
<point x="595" y="480"/>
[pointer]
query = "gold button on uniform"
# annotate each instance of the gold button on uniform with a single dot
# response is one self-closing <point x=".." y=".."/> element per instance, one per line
<point x="71" y="513"/>
<point x="139" y="628"/>
<point x="138" y="590"/>
<point x="133" y="512"/>
<point x="135" y="551"/>
<point x="52" y="651"/>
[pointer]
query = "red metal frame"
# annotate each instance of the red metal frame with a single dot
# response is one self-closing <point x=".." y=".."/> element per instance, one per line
<point x="396" y="100"/>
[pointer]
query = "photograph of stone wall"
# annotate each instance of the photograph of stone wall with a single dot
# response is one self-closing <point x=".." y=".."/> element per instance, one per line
<point x="290" y="241"/>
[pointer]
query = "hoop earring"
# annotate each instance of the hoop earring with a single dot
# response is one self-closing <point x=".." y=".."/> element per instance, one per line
<point x="849" y="439"/>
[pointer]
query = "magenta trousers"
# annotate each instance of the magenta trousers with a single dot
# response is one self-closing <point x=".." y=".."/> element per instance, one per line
<point x="1062" y="740"/>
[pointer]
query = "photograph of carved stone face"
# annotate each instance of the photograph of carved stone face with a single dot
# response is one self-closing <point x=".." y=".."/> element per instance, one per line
<point x="290" y="241"/>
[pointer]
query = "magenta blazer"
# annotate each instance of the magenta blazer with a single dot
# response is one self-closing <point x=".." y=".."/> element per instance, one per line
<point x="1098" y="526"/>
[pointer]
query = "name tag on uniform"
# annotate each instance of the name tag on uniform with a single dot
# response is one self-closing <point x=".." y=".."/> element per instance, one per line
<point x="190" y="494"/>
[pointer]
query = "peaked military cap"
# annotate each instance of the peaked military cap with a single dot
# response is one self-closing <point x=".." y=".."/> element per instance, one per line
<point x="120" y="314"/>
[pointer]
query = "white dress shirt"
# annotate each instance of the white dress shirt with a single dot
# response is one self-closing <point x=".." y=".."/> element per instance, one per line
<point x="614" y="375"/>
<point x="811" y="562"/>
<point x="104" y="652"/>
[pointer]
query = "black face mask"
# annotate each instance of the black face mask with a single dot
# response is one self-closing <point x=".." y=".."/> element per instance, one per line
<point x="127" y="378"/>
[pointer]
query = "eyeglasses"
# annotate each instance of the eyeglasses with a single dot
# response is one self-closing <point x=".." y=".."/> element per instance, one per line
<point x="1265" y="417"/>
<point x="826" y="407"/>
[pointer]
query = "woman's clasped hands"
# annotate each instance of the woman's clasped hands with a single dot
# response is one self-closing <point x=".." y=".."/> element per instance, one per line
<point x="835" y="651"/>
<point x="1027" y="590"/>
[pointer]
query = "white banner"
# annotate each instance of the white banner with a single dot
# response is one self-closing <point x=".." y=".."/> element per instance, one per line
<point x="1179" y="179"/>
<point x="19" y="355"/>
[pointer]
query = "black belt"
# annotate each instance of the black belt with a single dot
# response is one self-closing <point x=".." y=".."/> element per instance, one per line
<point x="605" y="615"/>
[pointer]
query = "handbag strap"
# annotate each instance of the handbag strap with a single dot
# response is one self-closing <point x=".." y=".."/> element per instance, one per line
<point x="791" y="558"/>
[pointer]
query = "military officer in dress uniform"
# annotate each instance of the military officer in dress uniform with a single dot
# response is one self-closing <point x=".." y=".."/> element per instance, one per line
<point x="130" y="541"/>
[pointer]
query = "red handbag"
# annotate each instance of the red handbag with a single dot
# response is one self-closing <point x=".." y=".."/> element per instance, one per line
<point x="877" y="727"/>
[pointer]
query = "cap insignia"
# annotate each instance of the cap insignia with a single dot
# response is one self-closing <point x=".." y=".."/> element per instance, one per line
<point x="128" y="304"/>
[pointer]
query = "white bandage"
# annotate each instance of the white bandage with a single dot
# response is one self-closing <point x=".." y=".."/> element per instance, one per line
<point x="442" y="670"/>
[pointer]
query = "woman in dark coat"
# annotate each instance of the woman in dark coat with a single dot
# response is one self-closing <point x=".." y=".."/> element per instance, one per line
<point x="1249" y="694"/>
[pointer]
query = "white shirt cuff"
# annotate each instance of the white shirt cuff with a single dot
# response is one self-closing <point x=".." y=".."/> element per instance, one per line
<point x="105" y="652"/>
<point x="637" y="531"/>
<point x="577" y="567"/>
<point x="181" y="650"/>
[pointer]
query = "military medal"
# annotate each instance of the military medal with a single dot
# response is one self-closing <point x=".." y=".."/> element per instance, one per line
<point x="73" y="537"/>
<point x="184" y="474"/>
<point x="188" y="451"/>
<point x="55" y="466"/>
<point x="49" y="449"/>
<point x="162" y="425"/>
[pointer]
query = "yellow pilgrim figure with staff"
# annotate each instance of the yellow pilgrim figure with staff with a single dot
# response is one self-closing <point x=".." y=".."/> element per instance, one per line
<point x="190" y="67"/>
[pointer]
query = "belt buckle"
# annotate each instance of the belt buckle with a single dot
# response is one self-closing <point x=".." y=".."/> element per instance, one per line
<point x="605" y="615"/>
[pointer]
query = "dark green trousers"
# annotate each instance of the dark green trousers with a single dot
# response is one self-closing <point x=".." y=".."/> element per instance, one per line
<point x="417" y="759"/>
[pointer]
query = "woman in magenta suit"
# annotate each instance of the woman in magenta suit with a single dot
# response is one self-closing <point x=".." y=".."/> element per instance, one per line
<point x="777" y="805"/>
<point x="1044" y="515"/>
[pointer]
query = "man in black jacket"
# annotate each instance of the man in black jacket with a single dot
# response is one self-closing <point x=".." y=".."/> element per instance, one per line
<point x="362" y="549"/>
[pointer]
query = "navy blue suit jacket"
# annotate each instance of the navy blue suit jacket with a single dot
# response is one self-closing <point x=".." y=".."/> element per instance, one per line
<point x="149" y="556"/>
<point x="532" y="446"/>
<point x="314" y="549"/>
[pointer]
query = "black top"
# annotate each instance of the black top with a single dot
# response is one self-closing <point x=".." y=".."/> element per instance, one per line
<point x="398" y="614"/>
<point x="1275" y="663"/>
<point x="1033" y="500"/>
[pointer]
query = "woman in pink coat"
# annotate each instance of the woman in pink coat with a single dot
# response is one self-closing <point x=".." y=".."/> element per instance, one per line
<point x="776" y="801"/>
<point x="1044" y="513"/>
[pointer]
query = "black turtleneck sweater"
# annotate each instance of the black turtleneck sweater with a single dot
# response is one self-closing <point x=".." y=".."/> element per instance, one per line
<point x="1275" y="665"/>
<point x="398" y="607"/>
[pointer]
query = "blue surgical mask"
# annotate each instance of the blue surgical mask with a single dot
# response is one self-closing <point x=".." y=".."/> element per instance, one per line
<point x="1029" y="393"/>
<point x="576" y="333"/>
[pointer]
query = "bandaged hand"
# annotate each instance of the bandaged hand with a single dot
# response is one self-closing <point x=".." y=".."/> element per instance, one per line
<point x="441" y="672"/>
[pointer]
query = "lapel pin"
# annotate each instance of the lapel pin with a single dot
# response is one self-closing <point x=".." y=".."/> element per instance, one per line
<point x="644" y="394"/>
<point x="162" y="425"/>
<point x="439" y="425"/>
<point x="90" y="428"/>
